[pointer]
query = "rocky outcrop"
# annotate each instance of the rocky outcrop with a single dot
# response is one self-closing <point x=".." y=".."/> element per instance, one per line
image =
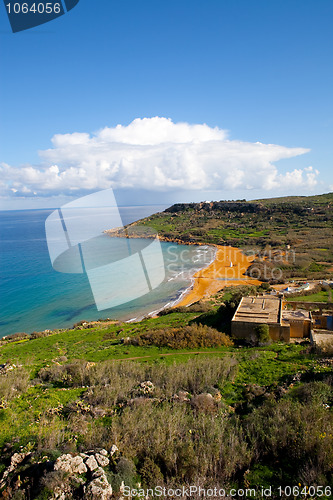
<point x="99" y="487"/>
<point x="91" y="462"/>
<point x="72" y="475"/>
<point x="15" y="461"/>
<point x="71" y="465"/>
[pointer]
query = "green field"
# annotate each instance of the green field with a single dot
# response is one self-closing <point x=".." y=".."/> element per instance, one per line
<point x="322" y="296"/>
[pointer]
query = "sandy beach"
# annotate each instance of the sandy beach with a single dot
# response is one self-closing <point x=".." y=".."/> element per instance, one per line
<point x="227" y="269"/>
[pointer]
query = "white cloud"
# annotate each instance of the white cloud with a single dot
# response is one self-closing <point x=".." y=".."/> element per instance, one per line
<point x="154" y="154"/>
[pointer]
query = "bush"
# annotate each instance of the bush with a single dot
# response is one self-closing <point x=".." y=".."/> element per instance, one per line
<point x="38" y="335"/>
<point x="297" y="437"/>
<point x="264" y="287"/>
<point x="204" y="403"/>
<point x="262" y="333"/>
<point x="72" y="374"/>
<point x="13" y="383"/>
<point x="125" y="471"/>
<point x="190" y="336"/>
<point x="186" y="445"/>
<point x="16" y="336"/>
<point x="317" y="392"/>
<point x="150" y="473"/>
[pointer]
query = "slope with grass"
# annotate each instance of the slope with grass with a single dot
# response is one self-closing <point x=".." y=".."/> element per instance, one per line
<point x="183" y="404"/>
<point x="302" y="223"/>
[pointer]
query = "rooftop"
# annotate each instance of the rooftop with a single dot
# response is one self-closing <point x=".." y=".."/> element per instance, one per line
<point x="258" y="310"/>
<point x="298" y="315"/>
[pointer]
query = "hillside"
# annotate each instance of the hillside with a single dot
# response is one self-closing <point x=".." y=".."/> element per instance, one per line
<point x="302" y="223"/>
<point x="173" y="396"/>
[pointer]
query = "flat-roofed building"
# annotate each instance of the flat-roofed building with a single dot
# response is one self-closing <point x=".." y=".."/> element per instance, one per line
<point x="299" y="322"/>
<point x="268" y="310"/>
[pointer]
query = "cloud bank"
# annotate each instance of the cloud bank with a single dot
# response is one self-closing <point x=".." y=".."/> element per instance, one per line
<point x="154" y="154"/>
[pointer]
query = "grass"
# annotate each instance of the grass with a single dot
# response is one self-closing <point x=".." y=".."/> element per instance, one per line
<point x="23" y="417"/>
<point x="89" y="344"/>
<point x="264" y="367"/>
<point x="322" y="296"/>
<point x="59" y="408"/>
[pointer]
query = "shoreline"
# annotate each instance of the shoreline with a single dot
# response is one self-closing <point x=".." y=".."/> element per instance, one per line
<point x="205" y="282"/>
<point x="182" y="291"/>
<point x="226" y="269"/>
<point x="211" y="278"/>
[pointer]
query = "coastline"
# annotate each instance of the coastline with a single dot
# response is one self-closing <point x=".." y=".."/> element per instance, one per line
<point x="182" y="292"/>
<point x="212" y="277"/>
<point x="227" y="269"/>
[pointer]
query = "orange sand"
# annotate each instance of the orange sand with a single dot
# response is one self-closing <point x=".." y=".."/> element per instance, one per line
<point x="220" y="274"/>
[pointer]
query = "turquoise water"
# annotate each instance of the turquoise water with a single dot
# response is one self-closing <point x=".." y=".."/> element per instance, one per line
<point x="35" y="297"/>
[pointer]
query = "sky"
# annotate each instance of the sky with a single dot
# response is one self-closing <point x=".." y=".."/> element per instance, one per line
<point x="167" y="101"/>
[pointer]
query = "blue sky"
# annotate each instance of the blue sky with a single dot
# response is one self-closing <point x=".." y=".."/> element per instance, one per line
<point x="260" y="70"/>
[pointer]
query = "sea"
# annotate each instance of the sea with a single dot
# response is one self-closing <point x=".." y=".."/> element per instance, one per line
<point x="35" y="297"/>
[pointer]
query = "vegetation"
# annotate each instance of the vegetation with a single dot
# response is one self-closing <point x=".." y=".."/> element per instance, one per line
<point x="299" y="227"/>
<point x="262" y="332"/>
<point x="190" y="336"/>
<point x="320" y="296"/>
<point x="182" y="403"/>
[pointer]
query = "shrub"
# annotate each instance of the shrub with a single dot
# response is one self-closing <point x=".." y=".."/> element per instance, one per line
<point x="317" y="392"/>
<point x="13" y="383"/>
<point x="295" y="435"/>
<point x="16" y="336"/>
<point x="204" y="403"/>
<point x="264" y="287"/>
<point x="190" y="336"/>
<point x="150" y="473"/>
<point x="262" y="333"/>
<point x="186" y="445"/>
<point x="124" y="471"/>
<point x="38" y="335"/>
<point x="72" y="374"/>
